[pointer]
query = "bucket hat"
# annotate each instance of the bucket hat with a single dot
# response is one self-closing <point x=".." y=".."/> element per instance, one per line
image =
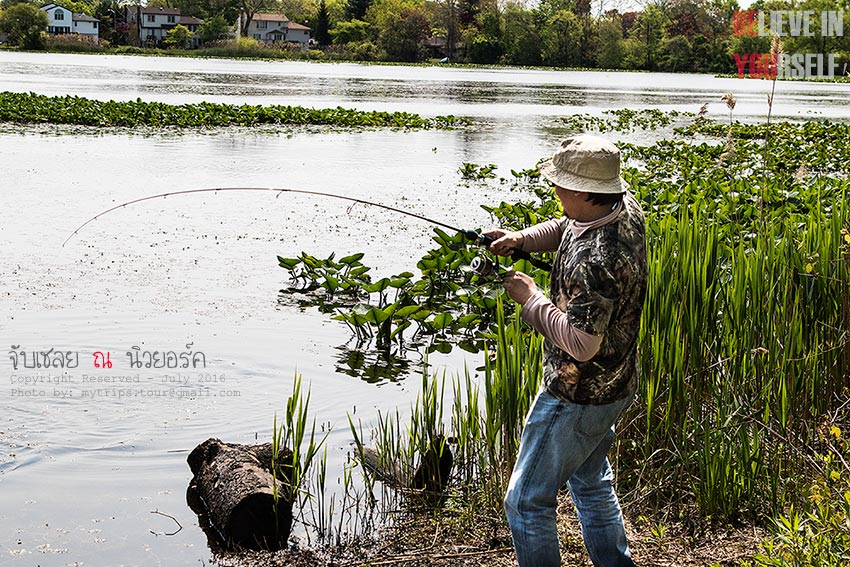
<point x="586" y="163"/>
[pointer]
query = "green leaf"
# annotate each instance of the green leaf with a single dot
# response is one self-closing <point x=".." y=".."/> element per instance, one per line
<point x="288" y="263"/>
<point x="441" y="321"/>
<point x="352" y="259"/>
<point x="407" y="311"/>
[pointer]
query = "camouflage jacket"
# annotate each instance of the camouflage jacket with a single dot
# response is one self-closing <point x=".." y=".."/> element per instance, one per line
<point x="599" y="281"/>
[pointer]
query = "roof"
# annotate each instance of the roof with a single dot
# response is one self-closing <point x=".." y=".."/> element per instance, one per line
<point x="51" y="6"/>
<point x="84" y="18"/>
<point x="294" y="26"/>
<point x="160" y="10"/>
<point x="269" y="18"/>
<point x="190" y="20"/>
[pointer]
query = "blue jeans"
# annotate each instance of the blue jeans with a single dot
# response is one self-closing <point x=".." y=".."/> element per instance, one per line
<point x="566" y="442"/>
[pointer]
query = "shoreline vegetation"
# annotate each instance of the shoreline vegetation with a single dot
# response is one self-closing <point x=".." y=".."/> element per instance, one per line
<point x="31" y="108"/>
<point x="236" y="51"/>
<point x="735" y="453"/>
<point x="718" y="37"/>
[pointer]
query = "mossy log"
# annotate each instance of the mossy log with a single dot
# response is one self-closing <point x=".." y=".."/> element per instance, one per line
<point x="235" y="487"/>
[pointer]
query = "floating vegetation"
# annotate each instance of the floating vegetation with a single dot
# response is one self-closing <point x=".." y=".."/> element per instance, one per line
<point x="473" y="171"/>
<point x="623" y="120"/>
<point x="449" y="305"/>
<point x="33" y="108"/>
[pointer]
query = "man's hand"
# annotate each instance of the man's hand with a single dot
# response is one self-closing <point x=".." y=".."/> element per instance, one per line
<point x="504" y="242"/>
<point x="519" y="286"/>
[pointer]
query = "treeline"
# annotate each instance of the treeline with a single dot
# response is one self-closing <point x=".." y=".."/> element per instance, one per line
<point x="665" y="35"/>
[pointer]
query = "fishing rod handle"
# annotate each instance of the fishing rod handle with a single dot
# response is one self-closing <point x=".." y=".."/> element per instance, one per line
<point x="517" y="254"/>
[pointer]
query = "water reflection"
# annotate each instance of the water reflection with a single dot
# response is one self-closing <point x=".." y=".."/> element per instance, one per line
<point x="377" y="366"/>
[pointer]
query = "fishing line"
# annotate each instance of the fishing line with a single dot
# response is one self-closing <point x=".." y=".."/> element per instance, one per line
<point x="473" y="235"/>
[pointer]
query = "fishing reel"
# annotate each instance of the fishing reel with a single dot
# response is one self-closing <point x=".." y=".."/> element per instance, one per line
<point x="484" y="267"/>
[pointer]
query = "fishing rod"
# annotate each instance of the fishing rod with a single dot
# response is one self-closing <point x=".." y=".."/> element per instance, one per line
<point x="478" y="238"/>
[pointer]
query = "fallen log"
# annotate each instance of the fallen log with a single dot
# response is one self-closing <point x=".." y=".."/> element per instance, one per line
<point x="235" y="488"/>
<point x="430" y="478"/>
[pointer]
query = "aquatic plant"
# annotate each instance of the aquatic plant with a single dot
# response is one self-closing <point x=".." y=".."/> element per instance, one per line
<point x="473" y="171"/>
<point x="34" y="108"/>
<point x="623" y="120"/>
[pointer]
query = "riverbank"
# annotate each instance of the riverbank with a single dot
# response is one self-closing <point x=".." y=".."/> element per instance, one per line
<point x="423" y="541"/>
<point x="263" y="53"/>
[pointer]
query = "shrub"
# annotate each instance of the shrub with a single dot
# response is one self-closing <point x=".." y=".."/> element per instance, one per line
<point x="74" y="42"/>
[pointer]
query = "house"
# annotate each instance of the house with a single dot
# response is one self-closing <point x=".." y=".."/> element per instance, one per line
<point x="194" y="25"/>
<point x="86" y="25"/>
<point x="155" y="23"/>
<point x="61" y="20"/>
<point x="275" y="28"/>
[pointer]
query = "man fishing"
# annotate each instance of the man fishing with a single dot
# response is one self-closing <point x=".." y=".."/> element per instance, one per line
<point x="590" y="324"/>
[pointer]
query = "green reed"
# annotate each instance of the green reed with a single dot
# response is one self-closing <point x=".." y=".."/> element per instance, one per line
<point x="744" y="347"/>
<point x="302" y="443"/>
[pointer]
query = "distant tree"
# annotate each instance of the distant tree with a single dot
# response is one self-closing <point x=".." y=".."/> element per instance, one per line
<point x="649" y="30"/>
<point x="250" y="8"/>
<point x="483" y="48"/>
<point x="6" y="4"/>
<point x="403" y="35"/>
<point x="484" y="41"/>
<point x="354" y="31"/>
<point x="467" y="11"/>
<point x="323" y="24"/>
<point x="521" y="39"/>
<point x="25" y="26"/>
<point x="197" y="8"/>
<point x="215" y="28"/>
<point x="610" y="52"/>
<point x="561" y="37"/>
<point x="676" y="54"/>
<point x="356" y="9"/>
<point x="301" y="11"/>
<point x="634" y="53"/>
<point x="178" y="37"/>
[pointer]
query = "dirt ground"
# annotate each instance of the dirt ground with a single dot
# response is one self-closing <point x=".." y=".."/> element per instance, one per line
<point x="422" y="541"/>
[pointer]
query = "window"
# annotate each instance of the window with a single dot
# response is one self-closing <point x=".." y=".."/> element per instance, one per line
<point x="170" y="19"/>
<point x="151" y="18"/>
<point x="257" y="36"/>
<point x="262" y="25"/>
<point x="94" y="25"/>
<point x="59" y="15"/>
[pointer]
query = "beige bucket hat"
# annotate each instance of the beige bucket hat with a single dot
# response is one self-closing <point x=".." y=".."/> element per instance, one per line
<point x="586" y="163"/>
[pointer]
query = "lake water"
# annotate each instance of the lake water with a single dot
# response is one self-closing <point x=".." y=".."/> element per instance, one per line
<point x="82" y="466"/>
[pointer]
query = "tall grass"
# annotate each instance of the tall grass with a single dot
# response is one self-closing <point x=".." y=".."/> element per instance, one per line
<point x="744" y="346"/>
<point x="293" y="434"/>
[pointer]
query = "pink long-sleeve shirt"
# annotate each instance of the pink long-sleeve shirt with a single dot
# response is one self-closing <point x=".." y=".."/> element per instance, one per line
<point x="538" y="311"/>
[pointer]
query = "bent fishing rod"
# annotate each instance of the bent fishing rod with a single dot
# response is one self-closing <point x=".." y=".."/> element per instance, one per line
<point x="476" y="237"/>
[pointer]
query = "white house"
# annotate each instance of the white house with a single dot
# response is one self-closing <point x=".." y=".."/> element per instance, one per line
<point x="275" y="28"/>
<point x="86" y="25"/>
<point x="156" y="22"/>
<point x="61" y="20"/>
